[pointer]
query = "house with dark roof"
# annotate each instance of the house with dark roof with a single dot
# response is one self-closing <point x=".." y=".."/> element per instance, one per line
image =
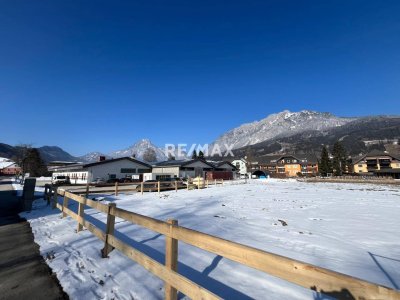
<point x="105" y="169"/>
<point x="377" y="163"/>
<point x="286" y="165"/>
<point x="182" y="168"/>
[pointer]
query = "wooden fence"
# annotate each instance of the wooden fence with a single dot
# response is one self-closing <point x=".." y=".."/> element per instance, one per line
<point x="306" y="275"/>
<point x="142" y="187"/>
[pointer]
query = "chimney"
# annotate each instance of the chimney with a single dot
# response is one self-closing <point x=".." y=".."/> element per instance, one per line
<point x="102" y="158"/>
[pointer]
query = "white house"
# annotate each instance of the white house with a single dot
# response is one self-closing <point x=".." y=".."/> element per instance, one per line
<point x="105" y="169"/>
<point x="241" y="165"/>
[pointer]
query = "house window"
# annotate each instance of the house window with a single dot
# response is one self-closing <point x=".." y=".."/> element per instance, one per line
<point x="112" y="176"/>
<point x="162" y="177"/>
<point x="360" y="166"/>
<point x="141" y="171"/>
<point x="128" y="170"/>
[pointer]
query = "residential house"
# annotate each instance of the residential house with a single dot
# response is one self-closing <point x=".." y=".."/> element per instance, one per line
<point x="284" y="166"/>
<point x="222" y="170"/>
<point x="105" y="169"/>
<point x="181" y="168"/>
<point x="241" y="166"/>
<point x="377" y="163"/>
<point x="9" y="168"/>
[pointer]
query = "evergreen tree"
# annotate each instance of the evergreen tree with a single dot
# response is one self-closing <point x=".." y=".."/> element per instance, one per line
<point x="339" y="159"/>
<point x="201" y="155"/>
<point x="194" y="154"/>
<point x="325" y="163"/>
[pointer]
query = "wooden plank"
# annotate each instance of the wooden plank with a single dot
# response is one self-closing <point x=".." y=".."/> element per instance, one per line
<point x="64" y="205"/>
<point x="59" y="206"/>
<point x="171" y="262"/>
<point x="81" y="214"/>
<point x="150" y="223"/>
<point x="97" y="205"/>
<point x="88" y="225"/>
<point x="87" y="189"/>
<point x="116" y="188"/>
<point x="95" y="230"/>
<point x="75" y="197"/>
<point x="109" y="230"/>
<point x="181" y="283"/>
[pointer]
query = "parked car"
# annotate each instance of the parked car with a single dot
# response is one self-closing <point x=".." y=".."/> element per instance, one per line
<point x="125" y="180"/>
<point x="112" y="180"/>
<point x="98" y="180"/>
<point x="179" y="182"/>
<point x="60" y="179"/>
<point x="148" y="185"/>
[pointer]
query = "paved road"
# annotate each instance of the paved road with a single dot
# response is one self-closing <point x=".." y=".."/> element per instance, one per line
<point x="23" y="272"/>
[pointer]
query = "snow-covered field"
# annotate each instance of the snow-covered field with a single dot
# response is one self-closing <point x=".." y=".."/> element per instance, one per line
<point x="350" y="228"/>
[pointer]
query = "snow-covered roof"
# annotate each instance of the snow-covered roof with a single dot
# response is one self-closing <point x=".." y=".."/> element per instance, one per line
<point x="6" y="164"/>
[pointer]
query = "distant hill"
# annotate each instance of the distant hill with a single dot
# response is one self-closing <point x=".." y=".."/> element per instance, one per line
<point x="7" y="151"/>
<point x="48" y="153"/>
<point x="52" y="153"/>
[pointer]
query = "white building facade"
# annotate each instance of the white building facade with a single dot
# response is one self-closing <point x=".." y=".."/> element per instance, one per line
<point x="106" y="169"/>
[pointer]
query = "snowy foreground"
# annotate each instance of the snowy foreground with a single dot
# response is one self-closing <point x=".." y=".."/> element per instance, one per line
<point x="349" y="228"/>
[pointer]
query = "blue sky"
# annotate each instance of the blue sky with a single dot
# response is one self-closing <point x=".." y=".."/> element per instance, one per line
<point x="99" y="75"/>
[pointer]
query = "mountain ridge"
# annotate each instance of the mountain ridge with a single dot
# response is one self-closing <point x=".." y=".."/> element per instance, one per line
<point x="280" y="124"/>
<point x="285" y="131"/>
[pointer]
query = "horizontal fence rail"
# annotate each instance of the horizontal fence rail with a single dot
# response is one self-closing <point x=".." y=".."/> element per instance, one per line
<point x="306" y="275"/>
<point x="157" y="186"/>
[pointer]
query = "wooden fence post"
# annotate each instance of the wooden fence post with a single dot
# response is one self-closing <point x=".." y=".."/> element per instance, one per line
<point x="171" y="261"/>
<point x="158" y="187"/>
<point x="215" y="182"/>
<point x="116" y="188"/>
<point x="141" y="187"/>
<point x="87" y="190"/>
<point x="81" y="214"/>
<point x="109" y="230"/>
<point x="176" y="186"/>
<point x="188" y="182"/>
<point x="207" y="183"/>
<point x="65" y="205"/>
<point x="55" y="199"/>
<point x="222" y="181"/>
<point x="46" y="193"/>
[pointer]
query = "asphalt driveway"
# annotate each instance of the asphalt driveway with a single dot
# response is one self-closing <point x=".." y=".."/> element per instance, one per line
<point x="23" y="272"/>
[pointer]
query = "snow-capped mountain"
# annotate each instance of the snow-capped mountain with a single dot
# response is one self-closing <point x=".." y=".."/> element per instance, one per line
<point x="91" y="157"/>
<point x="138" y="150"/>
<point x="282" y="124"/>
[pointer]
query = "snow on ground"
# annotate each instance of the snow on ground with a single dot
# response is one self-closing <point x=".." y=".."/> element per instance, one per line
<point x="349" y="228"/>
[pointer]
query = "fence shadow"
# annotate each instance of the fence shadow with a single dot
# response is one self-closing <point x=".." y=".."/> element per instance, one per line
<point x="390" y="278"/>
